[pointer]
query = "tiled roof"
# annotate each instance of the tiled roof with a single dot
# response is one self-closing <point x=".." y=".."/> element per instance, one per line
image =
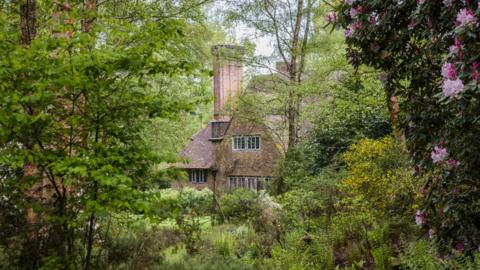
<point x="199" y="151"/>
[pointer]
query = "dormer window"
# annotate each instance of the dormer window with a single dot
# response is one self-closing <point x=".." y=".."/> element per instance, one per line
<point x="246" y="143"/>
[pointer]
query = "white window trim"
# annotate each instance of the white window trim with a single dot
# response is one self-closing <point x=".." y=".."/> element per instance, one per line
<point x="245" y="143"/>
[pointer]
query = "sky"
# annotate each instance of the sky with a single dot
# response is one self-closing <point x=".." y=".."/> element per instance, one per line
<point x="263" y="45"/>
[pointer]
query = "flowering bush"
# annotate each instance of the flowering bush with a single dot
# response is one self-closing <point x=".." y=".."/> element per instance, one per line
<point x="429" y="51"/>
<point x="377" y="170"/>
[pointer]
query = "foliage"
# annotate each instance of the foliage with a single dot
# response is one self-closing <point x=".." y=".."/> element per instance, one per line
<point x="73" y="106"/>
<point x="429" y="53"/>
<point x="356" y="110"/>
<point x="129" y="242"/>
<point x="302" y="251"/>
<point x="240" y="206"/>
<point x="186" y="207"/>
<point x="421" y="255"/>
<point x="379" y="172"/>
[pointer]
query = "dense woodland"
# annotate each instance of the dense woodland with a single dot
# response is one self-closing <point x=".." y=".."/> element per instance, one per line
<point x="380" y="106"/>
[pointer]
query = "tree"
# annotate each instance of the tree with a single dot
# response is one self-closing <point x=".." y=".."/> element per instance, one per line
<point x="75" y="98"/>
<point x="429" y="53"/>
<point x="289" y="24"/>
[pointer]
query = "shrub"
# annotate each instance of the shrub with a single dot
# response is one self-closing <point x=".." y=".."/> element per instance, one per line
<point x="168" y="203"/>
<point x="429" y="52"/>
<point x="240" y="206"/>
<point x="133" y="242"/>
<point x="380" y="173"/>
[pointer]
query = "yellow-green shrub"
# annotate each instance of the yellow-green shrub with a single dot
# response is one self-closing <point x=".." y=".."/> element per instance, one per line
<point x="379" y="172"/>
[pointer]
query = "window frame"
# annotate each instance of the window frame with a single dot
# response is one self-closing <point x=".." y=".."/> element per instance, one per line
<point x="256" y="183"/>
<point x="246" y="143"/>
<point x="198" y="176"/>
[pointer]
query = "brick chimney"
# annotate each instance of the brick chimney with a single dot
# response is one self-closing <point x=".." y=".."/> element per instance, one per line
<point x="227" y="77"/>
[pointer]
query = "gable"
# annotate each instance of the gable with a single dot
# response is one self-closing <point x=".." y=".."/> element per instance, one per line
<point x="199" y="152"/>
<point x="247" y="162"/>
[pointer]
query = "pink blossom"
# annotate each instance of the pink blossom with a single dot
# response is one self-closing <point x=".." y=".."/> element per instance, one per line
<point x="431" y="233"/>
<point x="348" y="32"/>
<point x="455" y="49"/>
<point x="438" y="154"/>
<point x="420" y="218"/>
<point x="459" y="247"/>
<point x="355" y="11"/>
<point x="420" y="2"/>
<point x="412" y="24"/>
<point x="452" y="88"/>
<point x="466" y="17"/>
<point x="452" y="162"/>
<point x="357" y="25"/>
<point x="475" y="74"/>
<point x="331" y="17"/>
<point x="448" y="71"/>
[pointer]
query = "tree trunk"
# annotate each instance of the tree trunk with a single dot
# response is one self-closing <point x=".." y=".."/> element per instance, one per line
<point x="28" y="21"/>
<point x="27" y="12"/>
<point x="394" y="111"/>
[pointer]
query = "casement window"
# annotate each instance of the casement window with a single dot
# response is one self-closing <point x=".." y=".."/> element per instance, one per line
<point x="246" y="142"/>
<point x="197" y="176"/>
<point x="250" y="182"/>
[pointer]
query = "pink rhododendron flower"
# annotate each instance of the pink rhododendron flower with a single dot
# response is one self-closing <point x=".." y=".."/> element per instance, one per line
<point x="448" y="71"/>
<point x="475" y="74"/>
<point x="459" y="247"/>
<point x="452" y="88"/>
<point x="357" y="25"/>
<point x="420" y="2"/>
<point x="439" y="154"/>
<point x="466" y="17"/>
<point x="355" y="11"/>
<point x="412" y="24"/>
<point x="456" y="48"/>
<point x="420" y="218"/>
<point x="331" y="17"/>
<point x="452" y="162"/>
<point x="348" y="32"/>
<point x="453" y="49"/>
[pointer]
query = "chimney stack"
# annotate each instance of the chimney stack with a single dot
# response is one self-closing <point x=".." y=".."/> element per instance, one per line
<point x="227" y="76"/>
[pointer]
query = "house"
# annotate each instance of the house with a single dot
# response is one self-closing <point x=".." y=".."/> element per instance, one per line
<point x="230" y="152"/>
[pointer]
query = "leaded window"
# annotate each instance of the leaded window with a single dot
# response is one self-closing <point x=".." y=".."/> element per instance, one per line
<point x="248" y="182"/>
<point x="246" y="142"/>
<point x="197" y="176"/>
